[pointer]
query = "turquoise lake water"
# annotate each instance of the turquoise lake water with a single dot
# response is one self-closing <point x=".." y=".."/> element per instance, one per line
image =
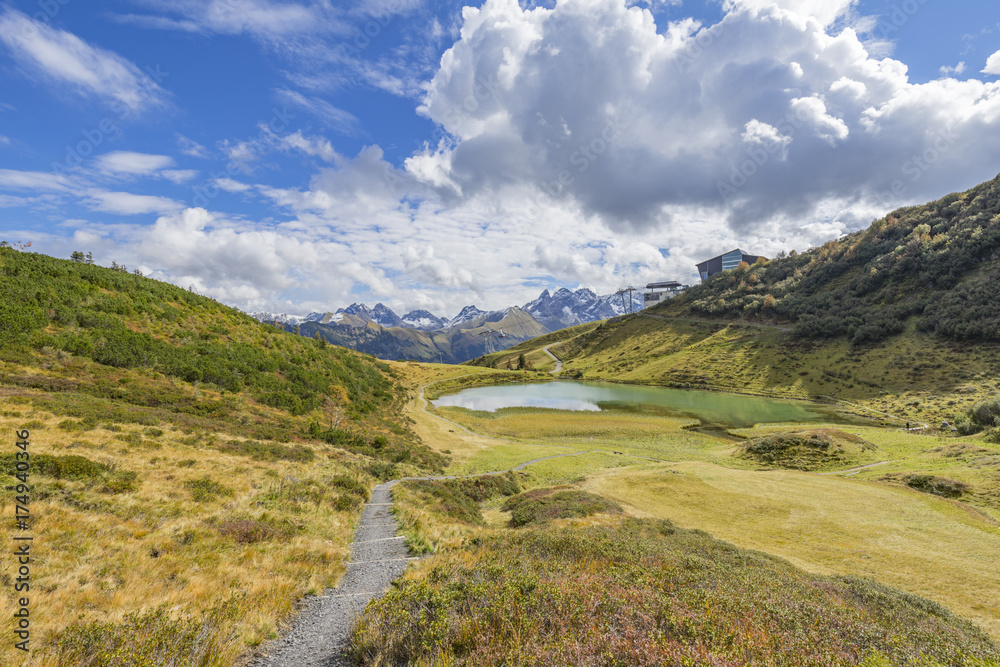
<point x="711" y="408"/>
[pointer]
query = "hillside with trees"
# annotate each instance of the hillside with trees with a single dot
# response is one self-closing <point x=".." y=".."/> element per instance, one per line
<point x="937" y="263"/>
<point x="194" y="473"/>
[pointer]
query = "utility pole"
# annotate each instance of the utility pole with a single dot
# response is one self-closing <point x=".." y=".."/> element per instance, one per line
<point x="630" y="307"/>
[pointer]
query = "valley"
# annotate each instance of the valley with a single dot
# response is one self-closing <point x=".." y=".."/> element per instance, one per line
<point x="197" y="477"/>
<point x="496" y="333"/>
<point x="863" y="524"/>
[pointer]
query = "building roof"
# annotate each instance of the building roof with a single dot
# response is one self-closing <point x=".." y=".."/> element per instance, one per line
<point x="742" y="252"/>
<point x="665" y="285"/>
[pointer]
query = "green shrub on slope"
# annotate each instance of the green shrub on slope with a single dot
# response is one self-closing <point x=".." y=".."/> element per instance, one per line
<point x="643" y="593"/>
<point x="937" y="262"/>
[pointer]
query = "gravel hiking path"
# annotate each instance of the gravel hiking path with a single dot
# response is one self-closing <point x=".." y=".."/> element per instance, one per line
<point x="378" y="555"/>
<point x="556" y="359"/>
<point x="319" y="635"/>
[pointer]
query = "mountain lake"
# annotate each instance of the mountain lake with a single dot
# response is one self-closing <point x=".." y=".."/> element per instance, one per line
<point x="716" y="411"/>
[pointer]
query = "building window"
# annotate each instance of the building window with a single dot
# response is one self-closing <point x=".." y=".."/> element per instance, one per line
<point x="731" y="260"/>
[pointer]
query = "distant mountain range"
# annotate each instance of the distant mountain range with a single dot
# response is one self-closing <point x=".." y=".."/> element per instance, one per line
<point x="424" y="336"/>
<point x="568" y="309"/>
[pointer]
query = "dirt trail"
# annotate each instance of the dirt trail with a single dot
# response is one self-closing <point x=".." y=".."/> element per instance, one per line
<point x="855" y="470"/>
<point x="706" y="320"/>
<point x="556" y="359"/>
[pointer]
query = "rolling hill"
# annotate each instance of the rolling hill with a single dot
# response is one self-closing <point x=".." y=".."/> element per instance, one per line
<point x="936" y="265"/>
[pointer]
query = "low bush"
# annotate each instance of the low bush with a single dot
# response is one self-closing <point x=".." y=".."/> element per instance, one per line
<point x="966" y="426"/>
<point x="644" y="593"/>
<point x="205" y="489"/>
<point x="350" y="485"/>
<point x="149" y="639"/>
<point x="382" y="471"/>
<point x="251" y="531"/>
<point x="122" y="481"/>
<point x="986" y="412"/>
<point x="346" y="503"/>
<point x="459" y="498"/>
<point x="70" y="467"/>
<point x="543" y="505"/>
<point x="268" y="451"/>
<point x="939" y="486"/>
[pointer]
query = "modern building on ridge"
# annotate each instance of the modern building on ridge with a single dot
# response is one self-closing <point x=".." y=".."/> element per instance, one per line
<point x="657" y="292"/>
<point x="729" y="260"/>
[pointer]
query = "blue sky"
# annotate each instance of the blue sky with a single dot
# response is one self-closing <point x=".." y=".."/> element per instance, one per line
<point x="299" y="156"/>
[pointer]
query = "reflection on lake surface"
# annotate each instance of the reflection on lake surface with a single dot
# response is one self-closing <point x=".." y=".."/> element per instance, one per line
<point x="711" y="408"/>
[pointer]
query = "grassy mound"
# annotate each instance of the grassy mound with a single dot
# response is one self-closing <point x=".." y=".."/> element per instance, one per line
<point x="441" y="513"/>
<point x="933" y="484"/>
<point x="459" y="499"/>
<point x="641" y="592"/>
<point x="806" y="450"/>
<point x="543" y="505"/>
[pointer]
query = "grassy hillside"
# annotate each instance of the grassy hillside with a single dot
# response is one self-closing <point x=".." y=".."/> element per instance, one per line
<point x="937" y="264"/>
<point x="532" y="349"/>
<point x="622" y="591"/>
<point x="194" y="472"/>
<point x="922" y="518"/>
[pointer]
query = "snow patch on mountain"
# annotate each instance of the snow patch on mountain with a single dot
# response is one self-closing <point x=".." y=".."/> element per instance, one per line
<point x="423" y="319"/>
<point x="468" y="314"/>
<point x="566" y="308"/>
<point x="280" y="319"/>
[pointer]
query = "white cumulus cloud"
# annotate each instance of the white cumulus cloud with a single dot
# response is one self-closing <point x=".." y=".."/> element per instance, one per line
<point x="993" y="65"/>
<point x="593" y="102"/>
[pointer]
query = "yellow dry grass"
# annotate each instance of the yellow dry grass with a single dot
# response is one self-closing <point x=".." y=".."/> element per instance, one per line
<point x="99" y="556"/>
<point x="926" y="545"/>
<point x="439" y="434"/>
